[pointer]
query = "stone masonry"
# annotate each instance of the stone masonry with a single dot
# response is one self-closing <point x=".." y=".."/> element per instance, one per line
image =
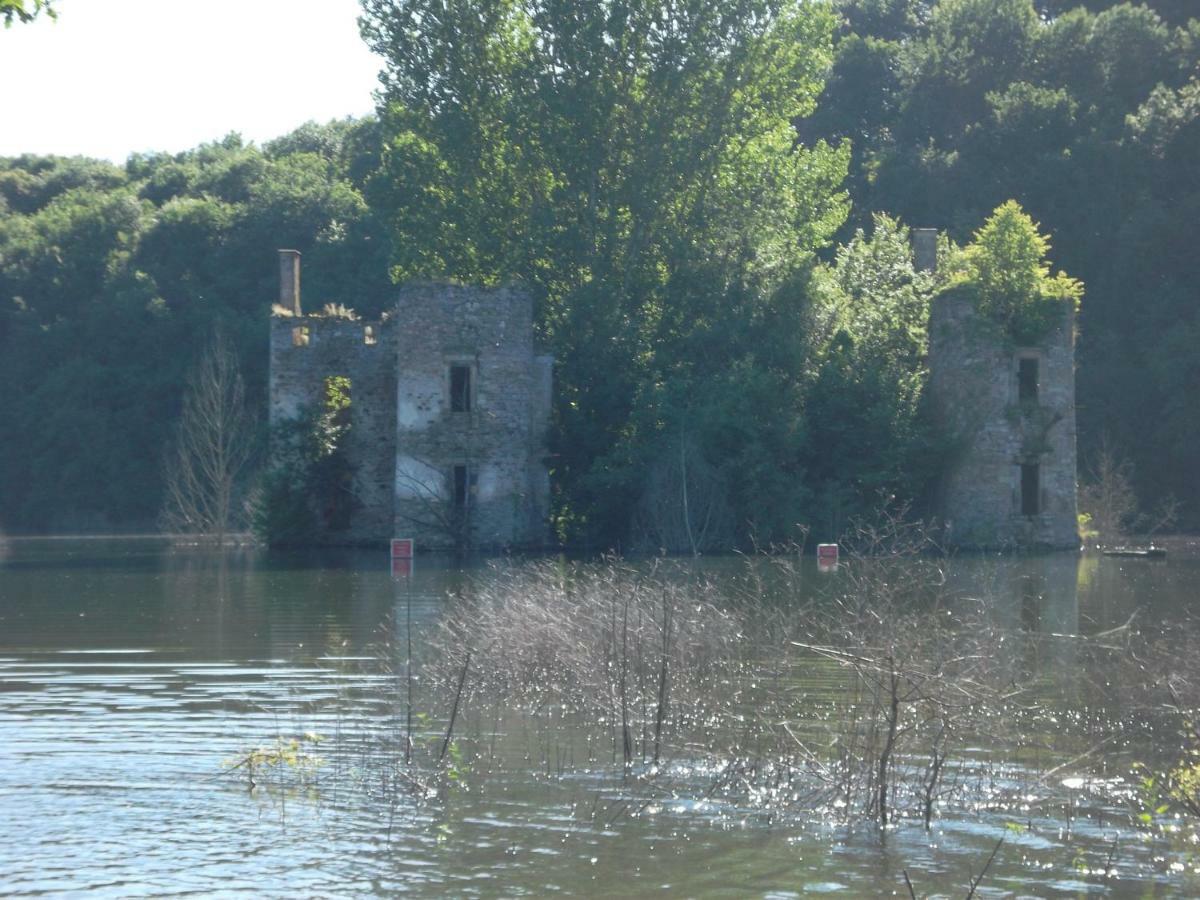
<point x="450" y="406"/>
<point x="495" y="440"/>
<point x="1010" y="415"/>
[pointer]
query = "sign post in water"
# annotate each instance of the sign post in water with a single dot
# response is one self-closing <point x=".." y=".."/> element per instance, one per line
<point x="402" y="557"/>
<point x="827" y="557"/>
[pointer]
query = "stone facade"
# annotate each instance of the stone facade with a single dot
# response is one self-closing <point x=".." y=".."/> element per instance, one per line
<point x="450" y="406"/>
<point x="1010" y="415"/>
<point x="475" y="462"/>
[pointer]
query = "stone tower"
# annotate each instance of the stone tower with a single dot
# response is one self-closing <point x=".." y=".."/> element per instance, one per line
<point x="449" y="406"/>
<point x="1009" y="413"/>
<point x="472" y="412"/>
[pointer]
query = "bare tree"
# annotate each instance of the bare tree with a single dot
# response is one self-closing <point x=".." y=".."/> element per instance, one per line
<point x="1107" y="495"/>
<point x="211" y="448"/>
<point x="1108" y="499"/>
<point x="684" y="505"/>
<point x="429" y="503"/>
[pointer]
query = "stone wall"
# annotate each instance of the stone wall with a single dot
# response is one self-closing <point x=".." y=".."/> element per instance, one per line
<point x="405" y="442"/>
<point x="500" y="441"/>
<point x="974" y="385"/>
<point x="305" y="350"/>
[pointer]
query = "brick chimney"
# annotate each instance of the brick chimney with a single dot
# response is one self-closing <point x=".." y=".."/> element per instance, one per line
<point x="924" y="242"/>
<point x="289" y="280"/>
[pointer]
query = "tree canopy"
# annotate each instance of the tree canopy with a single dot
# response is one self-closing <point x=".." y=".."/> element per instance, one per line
<point x="636" y="165"/>
<point x="111" y="281"/>
<point x="1086" y="115"/>
<point x="672" y="181"/>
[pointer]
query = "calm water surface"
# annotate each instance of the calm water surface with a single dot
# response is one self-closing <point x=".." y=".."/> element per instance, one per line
<point x="131" y="673"/>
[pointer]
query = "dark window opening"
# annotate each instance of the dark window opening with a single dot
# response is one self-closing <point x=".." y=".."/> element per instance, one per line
<point x="1027" y="379"/>
<point x="462" y="487"/>
<point x="460" y="389"/>
<point x="1030" y="489"/>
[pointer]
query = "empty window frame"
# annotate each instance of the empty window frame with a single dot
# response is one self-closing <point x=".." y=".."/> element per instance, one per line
<point x="337" y="401"/>
<point x="300" y="336"/>
<point x="460" y="388"/>
<point x="1027" y="378"/>
<point x="1031" y="488"/>
<point x="369" y="336"/>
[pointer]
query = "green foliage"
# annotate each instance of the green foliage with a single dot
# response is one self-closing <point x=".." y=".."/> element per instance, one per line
<point x="288" y="763"/>
<point x="1175" y="788"/>
<point x="25" y="10"/>
<point x="636" y="165"/>
<point x="308" y="489"/>
<point x="1085" y="114"/>
<point x="1009" y="279"/>
<point x="869" y="433"/>
<point x="1084" y="524"/>
<point x="108" y="277"/>
<point x="1185" y="783"/>
<point x="662" y="178"/>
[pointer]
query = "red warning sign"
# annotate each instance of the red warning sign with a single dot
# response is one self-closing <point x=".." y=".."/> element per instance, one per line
<point x="402" y="548"/>
<point x="827" y="557"/>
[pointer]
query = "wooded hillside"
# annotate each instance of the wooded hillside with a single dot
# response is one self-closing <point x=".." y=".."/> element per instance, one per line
<point x="693" y="192"/>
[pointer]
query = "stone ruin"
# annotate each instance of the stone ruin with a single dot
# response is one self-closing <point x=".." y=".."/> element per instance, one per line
<point x="448" y="416"/>
<point x="450" y="408"/>
<point x="1010" y="415"/>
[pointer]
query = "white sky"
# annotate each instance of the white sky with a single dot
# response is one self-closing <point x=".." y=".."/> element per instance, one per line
<point x="113" y="77"/>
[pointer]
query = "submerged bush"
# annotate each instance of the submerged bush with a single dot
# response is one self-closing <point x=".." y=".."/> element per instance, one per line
<point x="883" y="696"/>
<point x="854" y="705"/>
<point x="644" y="653"/>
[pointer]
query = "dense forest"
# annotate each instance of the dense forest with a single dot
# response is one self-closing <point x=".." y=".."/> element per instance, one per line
<point x="709" y="202"/>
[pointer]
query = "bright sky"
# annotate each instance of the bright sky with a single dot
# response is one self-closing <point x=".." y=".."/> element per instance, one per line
<point x="113" y="77"/>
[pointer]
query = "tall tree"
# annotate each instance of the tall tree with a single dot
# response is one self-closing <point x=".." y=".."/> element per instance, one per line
<point x="206" y="462"/>
<point x="635" y="163"/>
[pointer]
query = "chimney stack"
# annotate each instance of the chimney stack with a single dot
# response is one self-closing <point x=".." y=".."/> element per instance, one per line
<point x="289" y="280"/>
<point x="925" y="249"/>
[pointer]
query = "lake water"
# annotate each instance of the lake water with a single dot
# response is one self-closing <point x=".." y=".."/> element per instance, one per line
<point x="131" y="674"/>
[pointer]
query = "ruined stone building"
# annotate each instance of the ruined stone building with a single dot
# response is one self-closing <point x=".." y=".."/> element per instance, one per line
<point x="1010" y="415"/>
<point x="449" y="405"/>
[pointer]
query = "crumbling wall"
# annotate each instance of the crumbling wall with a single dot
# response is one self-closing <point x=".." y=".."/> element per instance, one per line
<point x="499" y="441"/>
<point x="975" y="387"/>
<point x="305" y="350"/>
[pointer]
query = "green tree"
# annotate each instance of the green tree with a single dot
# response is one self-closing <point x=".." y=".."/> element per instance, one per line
<point x="972" y="47"/>
<point x="868" y="431"/>
<point x="107" y="276"/>
<point x="636" y="165"/>
<point x="308" y="489"/>
<point x="1081" y="113"/>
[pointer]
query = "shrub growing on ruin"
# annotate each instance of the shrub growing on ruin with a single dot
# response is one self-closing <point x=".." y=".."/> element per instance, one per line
<point x="1010" y="281"/>
<point x="310" y="485"/>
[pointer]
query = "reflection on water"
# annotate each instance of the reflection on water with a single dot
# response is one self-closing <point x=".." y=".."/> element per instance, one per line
<point x="130" y="673"/>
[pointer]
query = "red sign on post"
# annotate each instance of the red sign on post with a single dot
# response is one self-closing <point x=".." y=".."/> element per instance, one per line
<point x="827" y="557"/>
<point x="402" y="557"/>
